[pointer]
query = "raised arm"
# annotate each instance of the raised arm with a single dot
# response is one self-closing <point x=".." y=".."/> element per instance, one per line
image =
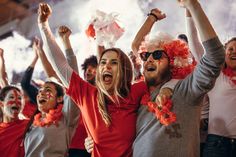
<point x="100" y="49"/>
<point x="64" y="33"/>
<point x="52" y="50"/>
<point x="200" y="19"/>
<point x="3" y="74"/>
<point x="154" y="16"/>
<point x="195" y="45"/>
<point x="26" y="85"/>
<point x="203" y="78"/>
<point x="38" y="49"/>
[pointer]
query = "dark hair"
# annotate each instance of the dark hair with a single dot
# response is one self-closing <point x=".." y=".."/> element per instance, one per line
<point x="183" y="37"/>
<point x="59" y="89"/>
<point x="230" y="40"/>
<point x="92" y="60"/>
<point x="6" y="89"/>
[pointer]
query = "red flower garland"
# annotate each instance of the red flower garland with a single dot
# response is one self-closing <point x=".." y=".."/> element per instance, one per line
<point x="180" y="49"/>
<point x="162" y="112"/>
<point x="52" y="117"/>
<point x="229" y="72"/>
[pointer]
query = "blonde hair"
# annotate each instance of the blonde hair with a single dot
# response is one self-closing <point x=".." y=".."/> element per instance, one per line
<point x="121" y="87"/>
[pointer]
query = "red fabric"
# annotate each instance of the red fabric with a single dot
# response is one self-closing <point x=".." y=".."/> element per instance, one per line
<point x="29" y="109"/>
<point x="90" y="32"/>
<point x="11" y="138"/>
<point x="117" y="139"/>
<point x="79" y="136"/>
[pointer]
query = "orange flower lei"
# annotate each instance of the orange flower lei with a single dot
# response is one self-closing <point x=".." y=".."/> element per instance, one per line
<point x="52" y="117"/>
<point x="229" y="72"/>
<point x="162" y="112"/>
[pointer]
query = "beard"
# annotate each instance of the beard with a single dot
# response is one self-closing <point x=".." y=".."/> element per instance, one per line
<point x="158" y="78"/>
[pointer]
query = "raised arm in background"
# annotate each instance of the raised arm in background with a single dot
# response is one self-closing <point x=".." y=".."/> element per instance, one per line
<point x="154" y="16"/>
<point x="200" y="19"/>
<point x="38" y="48"/>
<point x="100" y="49"/>
<point x="26" y="85"/>
<point x="194" y="43"/>
<point x="3" y="74"/>
<point x="53" y="51"/>
<point x="65" y="33"/>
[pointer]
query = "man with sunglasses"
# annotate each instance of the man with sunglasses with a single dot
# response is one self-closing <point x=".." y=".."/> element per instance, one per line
<point x="163" y="59"/>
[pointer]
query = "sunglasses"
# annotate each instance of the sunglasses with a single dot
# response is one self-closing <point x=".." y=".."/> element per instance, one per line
<point x="157" y="54"/>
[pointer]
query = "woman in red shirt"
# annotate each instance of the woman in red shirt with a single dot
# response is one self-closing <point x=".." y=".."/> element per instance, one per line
<point x="109" y="110"/>
<point x="12" y="129"/>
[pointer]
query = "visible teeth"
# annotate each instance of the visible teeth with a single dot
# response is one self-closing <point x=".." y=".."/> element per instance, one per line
<point x="107" y="73"/>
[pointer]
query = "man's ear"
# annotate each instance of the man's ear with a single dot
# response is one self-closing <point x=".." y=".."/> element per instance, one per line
<point x="59" y="99"/>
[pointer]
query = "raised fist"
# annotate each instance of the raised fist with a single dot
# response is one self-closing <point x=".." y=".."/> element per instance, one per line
<point x="158" y="13"/>
<point x="64" y="32"/>
<point x="44" y="12"/>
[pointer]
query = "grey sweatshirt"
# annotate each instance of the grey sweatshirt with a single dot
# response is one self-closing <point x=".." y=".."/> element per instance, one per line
<point x="180" y="139"/>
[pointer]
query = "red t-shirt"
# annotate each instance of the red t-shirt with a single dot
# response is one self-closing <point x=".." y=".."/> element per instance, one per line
<point x="29" y="109"/>
<point x="79" y="136"/>
<point x="11" y="138"/>
<point x="116" y="140"/>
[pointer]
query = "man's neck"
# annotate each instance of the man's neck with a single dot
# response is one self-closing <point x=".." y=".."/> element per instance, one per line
<point x="154" y="87"/>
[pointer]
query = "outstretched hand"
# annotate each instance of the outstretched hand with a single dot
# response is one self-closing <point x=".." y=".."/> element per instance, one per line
<point x="44" y="12"/>
<point x="37" y="46"/>
<point x="64" y="32"/>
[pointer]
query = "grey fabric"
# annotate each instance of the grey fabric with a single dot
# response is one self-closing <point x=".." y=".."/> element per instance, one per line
<point x="180" y="139"/>
<point x="54" y="141"/>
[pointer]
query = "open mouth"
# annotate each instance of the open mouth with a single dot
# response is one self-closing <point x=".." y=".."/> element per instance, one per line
<point x="41" y="101"/>
<point x="232" y="57"/>
<point x="107" y="77"/>
<point x="15" y="108"/>
<point x="151" y="68"/>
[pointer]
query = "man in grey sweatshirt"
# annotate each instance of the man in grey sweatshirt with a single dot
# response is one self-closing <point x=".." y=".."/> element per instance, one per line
<point x="181" y="138"/>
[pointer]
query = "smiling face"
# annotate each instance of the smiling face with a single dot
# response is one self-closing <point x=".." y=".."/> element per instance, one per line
<point x="47" y="98"/>
<point x="155" y="70"/>
<point x="108" y="70"/>
<point x="230" y="57"/>
<point x="90" y="74"/>
<point x="11" y="105"/>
